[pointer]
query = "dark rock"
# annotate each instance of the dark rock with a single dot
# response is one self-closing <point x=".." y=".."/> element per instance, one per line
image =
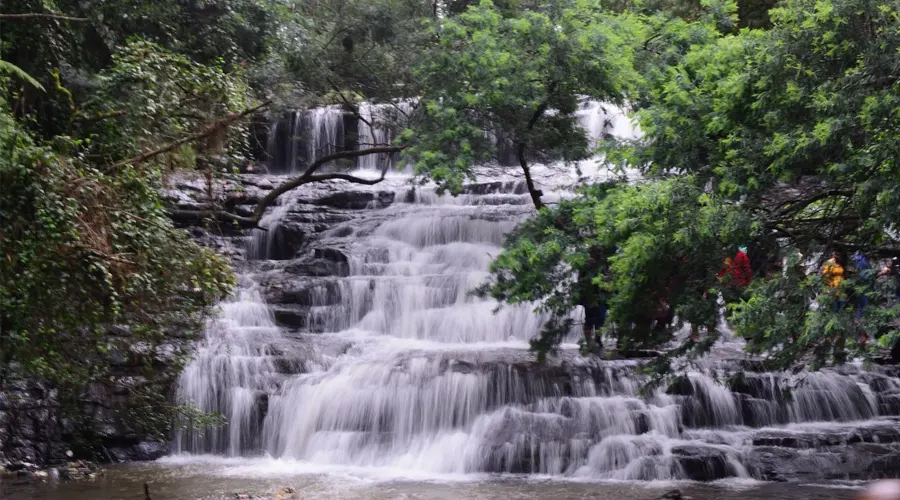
<point x="700" y="463"/>
<point x="885" y="466"/>
<point x="331" y="254"/>
<point x="483" y="188"/>
<point x="317" y="267"/>
<point x="290" y="316"/>
<point x="671" y="495"/>
<point x="357" y="200"/>
<point x="681" y="386"/>
<point x="142" y="451"/>
<point x="641" y="423"/>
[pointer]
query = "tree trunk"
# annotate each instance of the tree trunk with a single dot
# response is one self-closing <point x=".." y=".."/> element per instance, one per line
<point x="529" y="182"/>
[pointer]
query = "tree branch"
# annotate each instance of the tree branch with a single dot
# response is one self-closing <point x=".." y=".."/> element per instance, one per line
<point x="308" y="176"/>
<point x="104" y="116"/>
<point x="210" y="130"/>
<point x="520" y="150"/>
<point x="795" y="205"/>
<point x="38" y="15"/>
<point x="194" y="216"/>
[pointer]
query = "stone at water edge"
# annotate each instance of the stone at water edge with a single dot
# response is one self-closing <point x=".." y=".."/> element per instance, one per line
<point x="285" y="494"/>
<point x="673" y="495"/>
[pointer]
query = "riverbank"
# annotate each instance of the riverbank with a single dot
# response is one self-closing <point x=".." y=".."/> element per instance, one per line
<point x="220" y="479"/>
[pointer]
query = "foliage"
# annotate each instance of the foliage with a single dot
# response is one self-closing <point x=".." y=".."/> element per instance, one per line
<point x="355" y="48"/>
<point x="149" y="96"/>
<point x="84" y="250"/>
<point x="230" y="34"/>
<point x="783" y="139"/>
<point x="520" y="79"/>
<point x="12" y="69"/>
<point x="661" y="240"/>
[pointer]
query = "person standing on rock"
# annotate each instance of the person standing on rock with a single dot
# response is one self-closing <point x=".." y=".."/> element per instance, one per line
<point x="833" y="272"/>
<point x="861" y="270"/>
<point x="592" y="299"/>
<point x="735" y="276"/>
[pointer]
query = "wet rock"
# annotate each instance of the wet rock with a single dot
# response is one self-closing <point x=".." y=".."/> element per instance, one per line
<point x="281" y="242"/>
<point x="483" y="187"/>
<point x="317" y="267"/>
<point x="701" y="463"/>
<point x="672" y="495"/>
<point x="357" y="200"/>
<point x="884" y="466"/>
<point x="281" y="288"/>
<point x="681" y="386"/>
<point x="641" y="423"/>
<point x="290" y="316"/>
<point x="285" y="494"/>
<point x="331" y="254"/>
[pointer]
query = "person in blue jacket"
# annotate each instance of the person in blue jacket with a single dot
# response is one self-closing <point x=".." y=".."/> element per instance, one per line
<point x="861" y="269"/>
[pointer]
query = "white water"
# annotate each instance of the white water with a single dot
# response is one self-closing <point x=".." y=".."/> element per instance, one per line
<point x="429" y="379"/>
<point x="308" y="134"/>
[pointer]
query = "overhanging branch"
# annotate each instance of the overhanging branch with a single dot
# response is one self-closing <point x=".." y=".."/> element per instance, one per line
<point x="309" y="175"/>
<point x="208" y="131"/>
<point x="194" y="216"/>
<point x="42" y="15"/>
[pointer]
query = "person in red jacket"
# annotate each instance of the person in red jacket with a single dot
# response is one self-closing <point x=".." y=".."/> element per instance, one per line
<point x="735" y="276"/>
<point x="736" y="271"/>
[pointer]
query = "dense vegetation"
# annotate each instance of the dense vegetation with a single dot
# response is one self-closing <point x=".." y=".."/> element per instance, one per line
<point x="782" y="139"/>
<point x="773" y="129"/>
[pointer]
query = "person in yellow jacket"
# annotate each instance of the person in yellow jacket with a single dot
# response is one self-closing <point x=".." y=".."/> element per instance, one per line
<point x="833" y="272"/>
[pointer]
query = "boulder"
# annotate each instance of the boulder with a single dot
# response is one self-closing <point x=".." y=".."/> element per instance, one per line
<point x="701" y="463"/>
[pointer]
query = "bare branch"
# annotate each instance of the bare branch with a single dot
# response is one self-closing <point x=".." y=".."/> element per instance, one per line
<point x="39" y="15"/>
<point x="193" y="216"/>
<point x="309" y="175"/>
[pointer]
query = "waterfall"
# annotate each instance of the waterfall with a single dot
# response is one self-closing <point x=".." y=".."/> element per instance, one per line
<point x="302" y="136"/>
<point x="232" y="369"/>
<point x="305" y="135"/>
<point x="389" y="361"/>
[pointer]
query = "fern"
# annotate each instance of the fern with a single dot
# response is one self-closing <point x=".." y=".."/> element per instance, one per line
<point x="8" y="67"/>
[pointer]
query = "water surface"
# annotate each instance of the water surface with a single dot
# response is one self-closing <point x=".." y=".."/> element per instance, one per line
<point x="217" y="478"/>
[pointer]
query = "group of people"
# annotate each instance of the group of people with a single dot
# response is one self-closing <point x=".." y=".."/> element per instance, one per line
<point x="735" y="275"/>
<point x="840" y="268"/>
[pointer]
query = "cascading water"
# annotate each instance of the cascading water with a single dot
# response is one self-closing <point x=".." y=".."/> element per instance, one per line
<point x="233" y="364"/>
<point x="388" y="361"/>
<point x="303" y="136"/>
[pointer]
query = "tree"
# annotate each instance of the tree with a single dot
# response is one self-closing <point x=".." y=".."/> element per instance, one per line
<point x="359" y="56"/>
<point x="489" y="79"/>
<point x="150" y="95"/>
<point x="783" y="139"/>
<point x="92" y="262"/>
<point x="662" y="241"/>
<point x="84" y="251"/>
